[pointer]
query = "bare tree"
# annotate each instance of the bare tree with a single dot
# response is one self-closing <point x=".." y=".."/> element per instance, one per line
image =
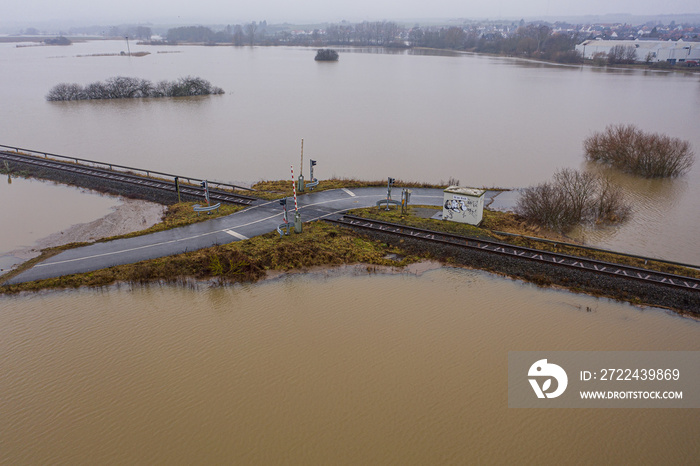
<point x="630" y="55"/>
<point x="572" y="198"/>
<point x="65" y="91"/>
<point x="250" y="30"/>
<point x="124" y="88"/>
<point x="651" y="155"/>
<point x="622" y="54"/>
<point x="238" y="35"/>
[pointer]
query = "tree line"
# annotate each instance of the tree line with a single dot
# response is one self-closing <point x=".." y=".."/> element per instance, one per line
<point x="129" y="88"/>
<point x="248" y="34"/>
<point x="529" y="41"/>
<point x="532" y="41"/>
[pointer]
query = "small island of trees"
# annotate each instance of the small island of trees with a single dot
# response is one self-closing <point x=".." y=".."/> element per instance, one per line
<point x="129" y="88"/>
<point x="58" y="41"/>
<point x="326" y="55"/>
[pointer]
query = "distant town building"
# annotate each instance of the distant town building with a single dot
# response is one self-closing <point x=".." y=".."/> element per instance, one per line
<point x="647" y="50"/>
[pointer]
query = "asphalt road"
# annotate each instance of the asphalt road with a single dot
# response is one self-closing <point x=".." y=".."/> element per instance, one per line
<point x="262" y="217"/>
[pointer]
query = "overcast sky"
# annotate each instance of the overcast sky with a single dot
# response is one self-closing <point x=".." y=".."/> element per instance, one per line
<point x="276" y="11"/>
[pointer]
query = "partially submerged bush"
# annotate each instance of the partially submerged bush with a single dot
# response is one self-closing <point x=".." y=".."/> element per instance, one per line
<point x="573" y="198"/>
<point x="129" y="88"/>
<point x="326" y="55"/>
<point x="58" y="41"/>
<point x="651" y="155"/>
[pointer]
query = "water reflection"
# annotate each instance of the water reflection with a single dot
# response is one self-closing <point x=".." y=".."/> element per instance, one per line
<point x="127" y="105"/>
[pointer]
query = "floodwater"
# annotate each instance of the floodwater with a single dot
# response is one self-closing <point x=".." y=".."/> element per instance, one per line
<point x="33" y="209"/>
<point x="336" y="367"/>
<point x="482" y="120"/>
<point x="322" y="368"/>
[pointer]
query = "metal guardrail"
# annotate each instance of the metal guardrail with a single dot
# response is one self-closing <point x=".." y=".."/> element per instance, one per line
<point x="112" y="166"/>
<point x="198" y="208"/>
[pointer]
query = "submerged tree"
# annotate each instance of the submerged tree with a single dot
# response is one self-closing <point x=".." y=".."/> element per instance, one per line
<point x="628" y="148"/>
<point x="129" y="88"/>
<point x="326" y="55"/>
<point x="573" y="198"/>
<point x="58" y="41"/>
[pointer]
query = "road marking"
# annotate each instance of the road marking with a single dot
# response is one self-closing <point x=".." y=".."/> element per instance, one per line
<point x="146" y="246"/>
<point x="235" y="235"/>
<point x="46" y="264"/>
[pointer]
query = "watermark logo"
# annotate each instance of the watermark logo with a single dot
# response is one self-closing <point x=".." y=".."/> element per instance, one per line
<point x="546" y="372"/>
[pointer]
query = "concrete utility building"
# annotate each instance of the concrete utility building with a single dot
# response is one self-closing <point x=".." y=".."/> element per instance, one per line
<point x="463" y="205"/>
<point x="654" y="50"/>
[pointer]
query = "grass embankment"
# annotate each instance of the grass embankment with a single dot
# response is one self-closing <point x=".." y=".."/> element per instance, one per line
<point x="180" y="215"/>
<point x="495" y="222"/>
<point x="319" y="245"/>
<point x="244" y="261"/>
<point x="279" y="188"/>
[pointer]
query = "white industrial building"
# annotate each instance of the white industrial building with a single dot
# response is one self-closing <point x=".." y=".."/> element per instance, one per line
<point x="652" y="50"/>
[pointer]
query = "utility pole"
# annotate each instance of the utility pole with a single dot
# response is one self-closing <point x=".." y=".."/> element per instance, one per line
<point x="127" y="44"/>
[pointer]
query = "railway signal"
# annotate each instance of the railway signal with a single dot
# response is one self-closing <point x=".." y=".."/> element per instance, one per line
<point x="314" y="182"/>
<point x="205" y="185"/>
<point x="388" y="200"/>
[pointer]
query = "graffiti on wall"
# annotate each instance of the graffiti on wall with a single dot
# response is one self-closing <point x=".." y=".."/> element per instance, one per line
<point x="461" y="205"/>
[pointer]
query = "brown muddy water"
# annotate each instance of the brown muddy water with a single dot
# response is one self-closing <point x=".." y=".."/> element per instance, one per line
<point x="39" y="214"/>
<point x="34" y="209"/>
<point x="323" y="368"/>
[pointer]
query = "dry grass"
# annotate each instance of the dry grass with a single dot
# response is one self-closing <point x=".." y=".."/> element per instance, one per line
<point x="176" y="215"/>
<point x="280" y="188"/>
<point x="182" y="214"/>
<point x="245" y="261"/>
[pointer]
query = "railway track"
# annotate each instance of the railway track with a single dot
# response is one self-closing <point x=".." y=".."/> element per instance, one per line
<point x="524" y="253"/>
<point x="165" y="185"/>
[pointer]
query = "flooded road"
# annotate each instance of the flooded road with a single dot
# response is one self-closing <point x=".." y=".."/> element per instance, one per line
<point x="320" y="368"/>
